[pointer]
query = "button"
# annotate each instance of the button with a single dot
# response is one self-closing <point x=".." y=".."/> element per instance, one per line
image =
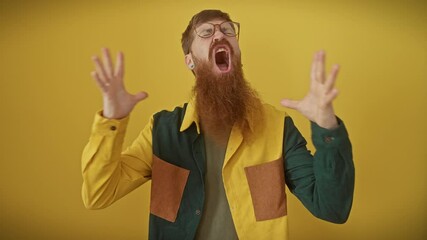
<point x="198" y="212"/>
<point x="328" y="139"/>
<point x="113" y="128"/>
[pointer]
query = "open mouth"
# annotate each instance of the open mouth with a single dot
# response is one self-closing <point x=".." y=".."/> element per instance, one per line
<point x="222" y="59"/>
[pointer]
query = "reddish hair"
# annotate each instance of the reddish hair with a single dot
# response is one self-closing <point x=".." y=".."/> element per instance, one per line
<point x="199" y="18"/>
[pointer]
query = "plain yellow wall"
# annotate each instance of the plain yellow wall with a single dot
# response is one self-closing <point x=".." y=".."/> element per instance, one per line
<point x="48" y="101"/>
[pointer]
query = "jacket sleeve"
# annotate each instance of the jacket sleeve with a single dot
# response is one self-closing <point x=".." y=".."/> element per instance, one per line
<point x="324" y="183"/>
<point x="108" y="173"/>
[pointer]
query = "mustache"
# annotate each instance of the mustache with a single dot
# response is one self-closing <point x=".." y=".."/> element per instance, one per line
<point x="218" y="43"/>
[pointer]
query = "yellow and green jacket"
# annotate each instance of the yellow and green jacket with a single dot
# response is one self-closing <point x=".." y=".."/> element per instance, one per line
<point x="170" y="152"/>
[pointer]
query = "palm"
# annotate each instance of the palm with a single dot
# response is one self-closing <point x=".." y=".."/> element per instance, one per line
<point x="118" y="103"/>
<point x="317" y="104"/>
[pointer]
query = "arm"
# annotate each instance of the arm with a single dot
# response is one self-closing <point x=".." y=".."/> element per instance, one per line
<point x="323" y="183"/>
<point x="108" y="173"/>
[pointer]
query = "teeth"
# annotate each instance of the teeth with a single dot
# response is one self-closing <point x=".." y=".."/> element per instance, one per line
<point x="221" y="50"/>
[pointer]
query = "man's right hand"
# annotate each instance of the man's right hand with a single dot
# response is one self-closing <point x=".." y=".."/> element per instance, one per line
<point x="118" y="103"/>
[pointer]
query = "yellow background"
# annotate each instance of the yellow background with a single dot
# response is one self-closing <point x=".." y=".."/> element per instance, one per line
<point x="48" y="100"/>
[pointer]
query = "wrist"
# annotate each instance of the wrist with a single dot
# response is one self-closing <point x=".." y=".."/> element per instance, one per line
<point x="327" y="119"/>
<point x="112" y="110"/>
<point x="329" y="122"/>
<point x="109" y="113"/>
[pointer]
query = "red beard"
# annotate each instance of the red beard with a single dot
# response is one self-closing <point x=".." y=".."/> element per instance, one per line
<point x="223" y="100"/>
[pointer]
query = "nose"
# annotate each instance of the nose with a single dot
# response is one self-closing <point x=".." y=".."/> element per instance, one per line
<point x="218" y="35"/>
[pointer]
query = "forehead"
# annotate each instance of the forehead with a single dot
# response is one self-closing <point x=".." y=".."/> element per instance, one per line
<point x="213" y="21"/>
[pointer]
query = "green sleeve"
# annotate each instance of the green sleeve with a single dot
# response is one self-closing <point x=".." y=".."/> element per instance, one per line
<point x="324" y="183"/>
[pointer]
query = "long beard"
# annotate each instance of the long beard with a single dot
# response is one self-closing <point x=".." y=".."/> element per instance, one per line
<point x="223" y="100"/>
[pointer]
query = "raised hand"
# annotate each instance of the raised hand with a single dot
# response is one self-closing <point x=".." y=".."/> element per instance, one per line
<point x="317" y="104"/>
<point x="117" y="102"/>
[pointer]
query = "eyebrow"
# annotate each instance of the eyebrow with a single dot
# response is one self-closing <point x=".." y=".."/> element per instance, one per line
<point x="210" y="21"/>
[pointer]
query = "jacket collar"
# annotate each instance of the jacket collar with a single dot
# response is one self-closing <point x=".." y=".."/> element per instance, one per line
<point x="190" y="116"/>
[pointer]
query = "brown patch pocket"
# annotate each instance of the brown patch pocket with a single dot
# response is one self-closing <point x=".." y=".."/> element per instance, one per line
<point x="167" y="188"/>
<point x="267" y="186"/>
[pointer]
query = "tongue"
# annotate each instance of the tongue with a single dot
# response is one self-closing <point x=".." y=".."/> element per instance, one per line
<point x="222" y="66"/>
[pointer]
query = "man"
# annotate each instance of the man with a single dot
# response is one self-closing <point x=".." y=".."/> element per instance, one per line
<point x="219" y="163"/>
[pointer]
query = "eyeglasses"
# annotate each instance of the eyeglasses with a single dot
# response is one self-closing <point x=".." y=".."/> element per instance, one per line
<point x="207" y="30"/>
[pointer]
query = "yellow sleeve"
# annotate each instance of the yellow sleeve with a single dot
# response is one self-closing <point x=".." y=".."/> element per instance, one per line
<point x="108" y="173"/>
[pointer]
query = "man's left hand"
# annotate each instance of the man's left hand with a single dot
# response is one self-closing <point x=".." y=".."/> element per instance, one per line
<point x="317" y="104"/>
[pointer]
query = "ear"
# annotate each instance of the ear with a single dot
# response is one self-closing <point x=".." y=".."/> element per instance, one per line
<point x="189" y="61"/>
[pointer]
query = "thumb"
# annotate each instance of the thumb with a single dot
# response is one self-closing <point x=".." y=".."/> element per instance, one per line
<point x="140" y="96"/>
<point x="293" y="104"/>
